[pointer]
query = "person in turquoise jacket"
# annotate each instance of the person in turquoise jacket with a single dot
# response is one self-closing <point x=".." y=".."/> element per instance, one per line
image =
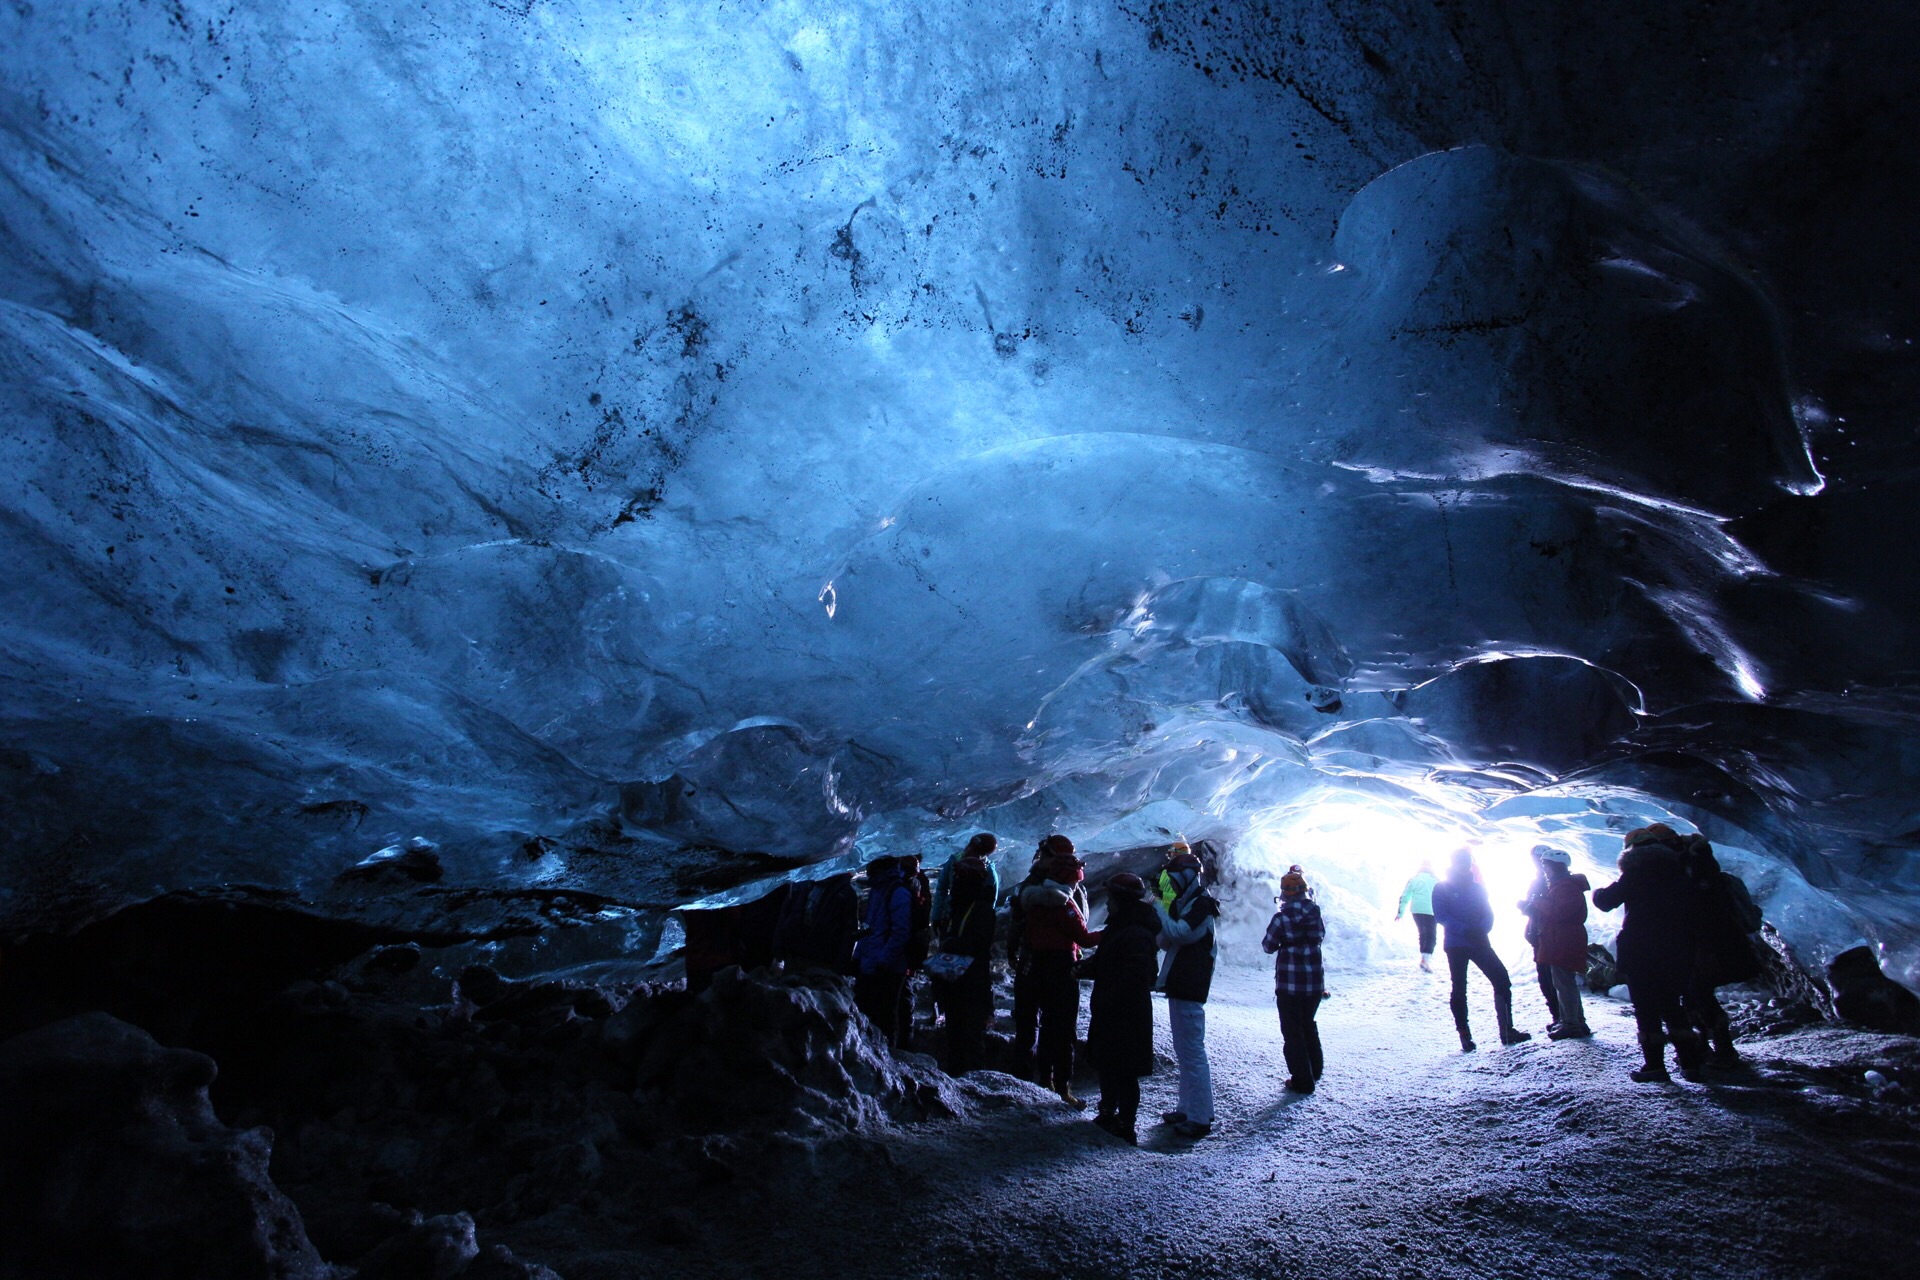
<point x="1419" y="895"/>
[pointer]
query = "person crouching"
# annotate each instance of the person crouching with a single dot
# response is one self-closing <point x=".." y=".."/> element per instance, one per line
<point x="1293" y="940"/>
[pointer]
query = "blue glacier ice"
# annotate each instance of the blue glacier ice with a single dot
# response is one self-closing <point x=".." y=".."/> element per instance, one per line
<point x="695" y="437"/>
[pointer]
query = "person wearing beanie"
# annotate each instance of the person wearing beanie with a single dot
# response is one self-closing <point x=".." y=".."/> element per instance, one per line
<point x="1188" y="931"/>
<point x="1293" y="939"/>
<point x="1120" y="1031"/>
<point x="1180" y="856"/>
<point x="1055" y="930"/>
<point x="1542" y="973"/>
<point x="1656" y="945"/>
<point x="1461" y="909"/>
<point x="1419" y="895"/>
<point x="1557" y="914"/>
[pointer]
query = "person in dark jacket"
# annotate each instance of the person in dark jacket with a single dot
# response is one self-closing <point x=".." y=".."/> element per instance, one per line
<point x="1293" y="940"/>
<point x="880" y="956"/>
<point x="818" y="925"/>
<point x="1188" y="930"/>
<point x="1726" y="951"/>
<point x="919" y="934"/>
<point x="1026" y="1001"/>
<point x="1656" y="945"/>
<point x="1055" y="930"/>
<point x="968" y="999"/>
<point x="1557" y="918"/>
<point x="1120" y="1031"/>
<point x="1461" y="909"/>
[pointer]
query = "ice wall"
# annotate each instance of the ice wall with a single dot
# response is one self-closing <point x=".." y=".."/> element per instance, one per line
<point x="603" y="440"/>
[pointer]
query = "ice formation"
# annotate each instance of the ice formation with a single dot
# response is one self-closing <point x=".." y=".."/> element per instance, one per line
<point x="567" y="434"/>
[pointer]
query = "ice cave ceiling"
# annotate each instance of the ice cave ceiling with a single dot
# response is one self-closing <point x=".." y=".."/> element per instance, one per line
<point x="625" y="443"/>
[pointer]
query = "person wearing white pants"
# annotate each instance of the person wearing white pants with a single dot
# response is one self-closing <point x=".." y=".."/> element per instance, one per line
<point x="1188" y="933"/>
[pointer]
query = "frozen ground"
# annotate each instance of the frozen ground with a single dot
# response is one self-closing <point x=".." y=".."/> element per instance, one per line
<point x="1411" y="1160"/>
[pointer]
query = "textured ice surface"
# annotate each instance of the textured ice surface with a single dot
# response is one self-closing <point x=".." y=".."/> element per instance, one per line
<point x="826" y="426"/>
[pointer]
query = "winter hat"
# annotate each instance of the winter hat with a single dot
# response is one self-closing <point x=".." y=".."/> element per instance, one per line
<point x="1055" y="845"/>
<point x="1293" y="884"/>
<point x="1127" y="885"/>
<point x="1547" y="853"/>
<point x="1181" y="854"/>
<point x="1654" y="833"/>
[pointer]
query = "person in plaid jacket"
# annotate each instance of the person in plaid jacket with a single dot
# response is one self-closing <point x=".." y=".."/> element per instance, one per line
<point x="1293" y="940"/>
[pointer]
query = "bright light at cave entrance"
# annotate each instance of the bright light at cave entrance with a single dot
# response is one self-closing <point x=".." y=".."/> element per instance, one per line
<point x="1358" y="854"/>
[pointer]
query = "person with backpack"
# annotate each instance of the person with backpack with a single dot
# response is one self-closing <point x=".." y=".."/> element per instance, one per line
<point x="1055" y="930"/>
<point x="1461" y="909"/>
<point x="1293" y="939"/>
<point x="880" y="956"/>
<point x="1419" y="895"/>
<point x="1656" y="945"/>
<point x="981" y="844"/>
<point x="817" y="925"/>
<point x="1726" y="952"/>
<point x="919" y="935"/>
<point x="967" y="1000"/>
<point x="1556" y="916"/>
<point x="1189" y="934"/>
<point x="1120" y="1030"/>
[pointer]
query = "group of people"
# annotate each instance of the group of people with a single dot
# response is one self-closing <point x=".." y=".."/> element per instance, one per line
<point x="1157" y="937"/>
<point x="1690" y="928"/>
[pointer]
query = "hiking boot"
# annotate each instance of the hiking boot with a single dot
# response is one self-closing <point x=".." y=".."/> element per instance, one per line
<point x="1466" y="1043"/>
<point x="1110" y="1123"/>
<point x="1570" y="1033"/>
<point x="1514" y="1035"/>
<point x="1191" y="1130"/>
<point x="1425" y="965"/>
<point x="1300" y="1086"/>
<point x="1066" y="1096"/>
<point x="1651" y="1074"/>
<point x="1173" y="1117"/>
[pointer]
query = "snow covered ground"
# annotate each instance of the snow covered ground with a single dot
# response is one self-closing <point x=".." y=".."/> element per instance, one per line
<point x="1412" y="1159"/>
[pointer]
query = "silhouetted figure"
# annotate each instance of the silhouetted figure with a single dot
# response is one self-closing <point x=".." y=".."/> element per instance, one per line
<point x="880" y="956"/>
<point x="919" y="934"/>
<point x="711" y="945"/>
<point x="1293" y="939"/>
<point x="1418" y="895"/>
<point x="1188" y="931"/>
<point x="967" y="1000"/>
<point x="818" y="925"/>
<point x="1728" y="921"/>
<point x="1120" y="1031"/>
<point x="982" y="844"/>
<point x="1542" y="974"/>
<point x="1656" y="944"/>
<point x="1026" y="998"/>
<point x="1461" y="908"/>
<point x="1557" y="916"/>
<point x="1056" y="929"/>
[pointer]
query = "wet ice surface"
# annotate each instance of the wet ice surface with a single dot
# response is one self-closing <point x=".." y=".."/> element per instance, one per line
<point x="1411" y="1159"/>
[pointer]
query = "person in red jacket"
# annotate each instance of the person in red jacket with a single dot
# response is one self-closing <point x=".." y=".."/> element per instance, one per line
<point x="1055" y="932"/>
<point x="1558" y="912"/>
